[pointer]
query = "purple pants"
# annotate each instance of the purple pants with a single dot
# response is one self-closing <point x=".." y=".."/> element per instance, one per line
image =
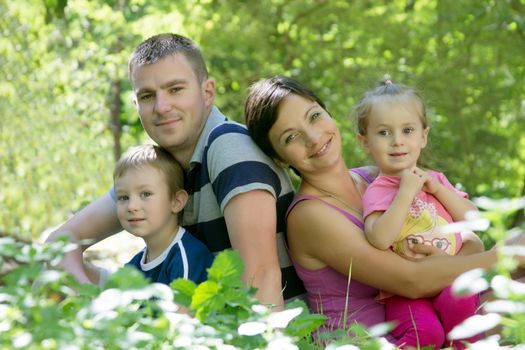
<point x="433" y="319"/>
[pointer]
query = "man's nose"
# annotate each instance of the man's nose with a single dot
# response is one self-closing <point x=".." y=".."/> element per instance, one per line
<point x="162" y="103"/>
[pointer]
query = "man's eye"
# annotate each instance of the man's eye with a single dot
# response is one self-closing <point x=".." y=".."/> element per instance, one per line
<point x="145" y="97"/>
<point x="175" y="89"/>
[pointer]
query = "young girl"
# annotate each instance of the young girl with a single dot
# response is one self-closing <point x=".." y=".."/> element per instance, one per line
<point x="406" y="205"/>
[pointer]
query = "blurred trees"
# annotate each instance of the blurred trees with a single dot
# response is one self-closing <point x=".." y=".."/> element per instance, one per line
<point x="63" y="66"/>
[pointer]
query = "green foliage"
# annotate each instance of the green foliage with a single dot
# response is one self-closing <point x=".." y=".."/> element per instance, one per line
<point x="57" y="137"/>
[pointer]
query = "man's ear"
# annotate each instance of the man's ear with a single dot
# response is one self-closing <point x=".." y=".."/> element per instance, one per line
<point x="208" y="88"/>
<point x="178" y="201"/>
<point x="363" y="141"/>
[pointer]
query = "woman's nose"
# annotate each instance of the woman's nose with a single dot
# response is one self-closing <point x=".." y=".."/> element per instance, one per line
<point x="313" y="137"/>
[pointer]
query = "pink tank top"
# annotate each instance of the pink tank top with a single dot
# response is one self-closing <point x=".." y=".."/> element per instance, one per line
<point x="327" y="288"/>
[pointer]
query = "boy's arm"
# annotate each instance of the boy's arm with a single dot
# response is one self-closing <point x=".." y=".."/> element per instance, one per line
<point x="95" y="222"/>
<point x="251" y="220"/>
<point x="382" y="228"/>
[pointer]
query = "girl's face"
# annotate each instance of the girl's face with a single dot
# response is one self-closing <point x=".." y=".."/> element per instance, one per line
<point x="304" y="135"/>
<point x="395" y="135"/>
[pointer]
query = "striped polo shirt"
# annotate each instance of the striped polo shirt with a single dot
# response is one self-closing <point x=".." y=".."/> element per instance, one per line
<point x="226" y="162"/>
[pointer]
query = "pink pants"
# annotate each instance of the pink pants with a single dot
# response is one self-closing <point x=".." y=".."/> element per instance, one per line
<point x="433" y="319"/>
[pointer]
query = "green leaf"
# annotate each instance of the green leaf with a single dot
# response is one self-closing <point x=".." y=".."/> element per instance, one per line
<point x="184" y="290"/>
<point x="227" y="268"/>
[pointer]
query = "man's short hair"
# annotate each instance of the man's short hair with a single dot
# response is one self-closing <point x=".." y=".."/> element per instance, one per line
<point x="162" y="45"/>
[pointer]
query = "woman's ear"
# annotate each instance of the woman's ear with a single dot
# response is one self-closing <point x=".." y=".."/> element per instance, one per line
<point x="178" y="201"/>
<point x="280" y="163"/>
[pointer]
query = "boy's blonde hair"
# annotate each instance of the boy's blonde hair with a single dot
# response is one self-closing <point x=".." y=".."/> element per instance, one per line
<point x="155" y="156"/>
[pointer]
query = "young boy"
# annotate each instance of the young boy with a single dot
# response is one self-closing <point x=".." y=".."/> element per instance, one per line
<point x="150" y="198"/>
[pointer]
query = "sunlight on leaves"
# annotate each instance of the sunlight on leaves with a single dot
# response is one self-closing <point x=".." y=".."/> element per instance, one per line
<point x="252" y="328"/>
<point x="470" y="282"/>
<point x="474" y="325"/>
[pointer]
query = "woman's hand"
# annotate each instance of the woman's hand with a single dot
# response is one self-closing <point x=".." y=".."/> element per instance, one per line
<point x="427" y="250"/>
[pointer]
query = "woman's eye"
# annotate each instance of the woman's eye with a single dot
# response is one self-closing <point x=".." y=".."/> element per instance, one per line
<point x="315" y="115"/>
<point x="289" y="138"/>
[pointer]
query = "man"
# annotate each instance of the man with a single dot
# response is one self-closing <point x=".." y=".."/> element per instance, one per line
<point x="238" y="196"/>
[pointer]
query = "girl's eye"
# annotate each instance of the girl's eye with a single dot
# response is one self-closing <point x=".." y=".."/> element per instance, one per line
<point x="408" y="130"/>
<point x="122" y="198"/>
<point x="384" y="132"/>
<point x="146" y="194"/>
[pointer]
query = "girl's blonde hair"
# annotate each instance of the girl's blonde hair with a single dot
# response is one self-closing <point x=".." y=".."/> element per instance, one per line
<point x="386" y="89"/>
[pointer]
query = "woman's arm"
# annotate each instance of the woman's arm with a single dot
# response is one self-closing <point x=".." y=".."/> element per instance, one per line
<point x="320" y="236"/>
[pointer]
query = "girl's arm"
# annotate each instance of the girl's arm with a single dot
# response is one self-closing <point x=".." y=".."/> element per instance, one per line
<point x="456" y="205"/>
<point x="319" y="236"/>
<point x="382" y="228"/>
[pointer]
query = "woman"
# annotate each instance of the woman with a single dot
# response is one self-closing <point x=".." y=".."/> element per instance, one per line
<point x="325" y="231"/>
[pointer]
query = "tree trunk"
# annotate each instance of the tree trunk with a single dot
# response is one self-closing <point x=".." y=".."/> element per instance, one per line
<point x="115" y="125"/>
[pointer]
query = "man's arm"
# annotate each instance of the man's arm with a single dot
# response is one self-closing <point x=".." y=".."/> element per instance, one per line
<point x="251" y="220"/>
<point x="95" y="222"/>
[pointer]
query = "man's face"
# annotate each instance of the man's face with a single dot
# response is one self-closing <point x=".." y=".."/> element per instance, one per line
<point x="172" y="103"/>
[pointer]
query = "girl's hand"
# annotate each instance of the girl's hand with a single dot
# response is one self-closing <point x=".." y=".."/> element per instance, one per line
<point x="431" y="185"/>
<point x="412" y="181"/>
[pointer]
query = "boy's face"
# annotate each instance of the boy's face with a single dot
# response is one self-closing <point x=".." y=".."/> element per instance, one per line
<point x="172" y="103"/>
<point x="145" y="206"/>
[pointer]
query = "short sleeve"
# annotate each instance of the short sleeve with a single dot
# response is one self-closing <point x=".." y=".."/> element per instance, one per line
<point x="442" y="179"/>
<point x="378" y="196"/>
<point x="236" y="165"/>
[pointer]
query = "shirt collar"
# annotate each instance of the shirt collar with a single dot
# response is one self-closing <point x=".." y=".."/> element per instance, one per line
<point x="214" y="119"/>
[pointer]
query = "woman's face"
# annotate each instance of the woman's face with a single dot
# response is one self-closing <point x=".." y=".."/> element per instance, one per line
<point x="305" y="136"/>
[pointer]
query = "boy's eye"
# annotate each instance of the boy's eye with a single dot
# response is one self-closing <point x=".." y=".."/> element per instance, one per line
<point x="146" y="194"/>
<point x="122" y="198"/>
<point x="408" y="130"/>
<point x="384" y="132"/>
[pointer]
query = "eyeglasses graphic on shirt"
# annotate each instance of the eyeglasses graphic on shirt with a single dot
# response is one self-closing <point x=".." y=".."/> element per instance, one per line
<point x="438" y="242"/>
